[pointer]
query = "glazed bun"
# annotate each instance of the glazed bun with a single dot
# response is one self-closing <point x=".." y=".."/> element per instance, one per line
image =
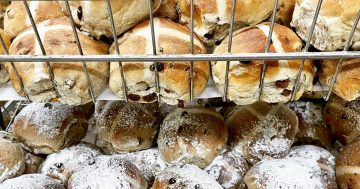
<point x="259" y="131"/>
<point x="32" y="162"/>
<point x="282" y="173"/>
<point x="193" y="135"/>
<point x="333" y="25"/>
<point x="16" y="19"/>
<point x="280" y="76"/>
<point x="184" y="176"/>
<point x="4" y="76"/>
<point x="343" y="119"/>
<point x="92" y="16"/>
<point x="126" y="127"/>
<point x="347" y="85"/>
<point x="212" y="18"/>
<point x="228" y="169"/>
<point x="312" y="129"/>
<point x="108" y="172"/>
<point x="171" y="38"/>
<point x="347" y="166"/>
<point x="12" y="160"/>
<point x="62" y="164"/>
<point x="48" y="127"/>
<point x="32" y="181"/>
<point x="71" y="85"/>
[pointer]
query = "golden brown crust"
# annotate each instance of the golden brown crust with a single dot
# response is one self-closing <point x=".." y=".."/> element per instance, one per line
<point x="167" y="9"/>
<point x="347" y="166"/>
<point x="4" y="76"/>
<point x="285" y="11"/>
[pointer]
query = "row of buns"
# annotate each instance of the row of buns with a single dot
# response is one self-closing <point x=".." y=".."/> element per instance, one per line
<point x="69" y="84"/>
<point x="257" y="146"/>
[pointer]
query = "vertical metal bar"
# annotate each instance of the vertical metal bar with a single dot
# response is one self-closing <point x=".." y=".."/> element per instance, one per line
<point x="116" y="44"/>
<point x="92" y="95"/>
<point x="14" y="68"/>
<point x="13" y="117"/>
<point x="191" y="49"/>
<point x="267" y="48"/>
<point x="308" y="42"/>
<point x="33" y="24"/>
<point x="346" y="48"/>
<point x="2" y="124"/>
<point x="231" y="30"/>
<point x="153" y="40"/>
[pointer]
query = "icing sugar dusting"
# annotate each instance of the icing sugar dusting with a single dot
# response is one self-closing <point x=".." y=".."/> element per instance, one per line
<point x="9" y="172"/>
<point x="32" y="181"/>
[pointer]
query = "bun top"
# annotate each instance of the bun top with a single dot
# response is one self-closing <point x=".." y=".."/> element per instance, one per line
<point x="32" y="181"/>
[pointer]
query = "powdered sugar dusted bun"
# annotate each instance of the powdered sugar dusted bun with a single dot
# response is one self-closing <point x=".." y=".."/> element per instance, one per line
<point x="62" y="164"/>
<point x="184" y="176"/>
<point x="280" y="76"/>
<point x="108" y="172"/>
<point x="12" y="162"/>
<point x="48" y="127"/>
<point x="228" y="169"/>
<point x="259" y="130"/>
<point x="312" y="129"/>
<point x="149" y="162"/>
<point x="282" y="173"/>
<point x="171" y="38"/>
<point x="333" y="25"/>
<point x="16" y="19"/>
<point x="128" y="126"/>
<point x="343" y="119"/>
<point x="319" y="159"/>
<point x="347" y="166"/>
<point x="32" y="181"/>
<point x="193" y="135"/>
<point x="32" y="162"/>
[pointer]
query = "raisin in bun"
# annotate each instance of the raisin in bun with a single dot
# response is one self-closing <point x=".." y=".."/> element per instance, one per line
<point x="184" y="176"/>
<point x="193" y="135"/>
<point x="347" y="84"/>
<point x="171" y="38"/>
<point x="71" y="85"/>
<point x="48" y="127"/>
<point x="212" y="18"/>
<point x="93" y="17"/>
<point x="108" y="172"/>
<point x="280" y="75"/>
<point x="312" y="128"/>
<point x="343" y="119"/>
<point x="228" y="169"/>
<point x="16" y="19"/>
<point x="32" y="162"/>
<point x="60" y="165"/>
<point x="32" y="181"/>
<point x="347" y="166"/>
<point x="12" y="160"/>
<point x="126" y="127"/>
<point x="260" y="130"/>
<point x="333" y="25"/>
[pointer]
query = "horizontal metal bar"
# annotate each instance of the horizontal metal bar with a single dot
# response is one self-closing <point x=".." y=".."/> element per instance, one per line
<point x="181" y="57"/>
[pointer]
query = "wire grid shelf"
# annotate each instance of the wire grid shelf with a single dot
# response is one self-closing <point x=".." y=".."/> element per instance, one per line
<point x="340" y="55"/>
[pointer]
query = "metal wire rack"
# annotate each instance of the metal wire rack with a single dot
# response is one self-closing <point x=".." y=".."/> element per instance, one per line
<point x="265" y="56"/>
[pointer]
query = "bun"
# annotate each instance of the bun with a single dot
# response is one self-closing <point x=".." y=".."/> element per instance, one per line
<point x="280" y="77"/>
<point x="347" y="85"/>
<point x="343" y="119"/>
<point x="71" y="84"/>
<point x="129" y="126"/>
<point x="228" y="169"/>
<point x="32" y="181"/>
<point x="171" y="38"/>
<point x="312" y="129"/>
<point x="167" y="9"/>
<point x="333" y="25"/>
<point x="212" y="18"/>
<point x="285" y="12"/>
<point x="259" y="131"/>
<point x="48" y="127"/>
<point x="3" y="5"/>
<point x="185" y="177"/>
<point x="32" y="162"/>
<point x="12" y="161"/>
<point x="62" y="164"/>
<point x="108" y="172"/>
<point x="92" y="16"/>
<point x="282" y="173"/>
<point x="347" y="165"/>
<point x="4" y="76"/>
<point x="193" y="135"/>
<point x="16" y="19"/>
